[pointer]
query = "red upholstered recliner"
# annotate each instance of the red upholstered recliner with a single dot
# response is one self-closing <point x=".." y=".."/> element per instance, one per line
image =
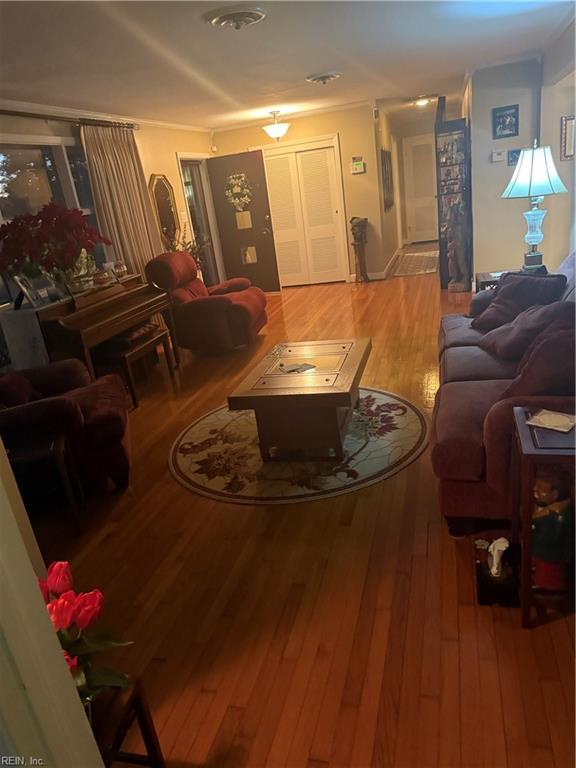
<point x="60" y="398"/>
<point x="208" y="320"/>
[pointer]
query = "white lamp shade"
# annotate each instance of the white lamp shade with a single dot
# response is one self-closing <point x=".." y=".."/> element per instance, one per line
<point x="535" y="175"/>
<point x="276" y="130"/>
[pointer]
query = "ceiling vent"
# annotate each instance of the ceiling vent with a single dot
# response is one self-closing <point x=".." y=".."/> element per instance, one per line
<point x="323" y="78"/>
<point x="236" y="17"/>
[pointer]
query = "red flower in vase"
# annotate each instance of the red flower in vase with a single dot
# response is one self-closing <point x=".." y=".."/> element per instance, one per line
<point x="52" y="238"/>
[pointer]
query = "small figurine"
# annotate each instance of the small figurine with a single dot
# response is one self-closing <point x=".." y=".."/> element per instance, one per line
<point x="552" y="530"/>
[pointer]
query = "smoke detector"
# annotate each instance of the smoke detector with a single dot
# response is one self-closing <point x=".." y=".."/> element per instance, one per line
<point x="236" y="17"/>
<point x="323" y="78"/>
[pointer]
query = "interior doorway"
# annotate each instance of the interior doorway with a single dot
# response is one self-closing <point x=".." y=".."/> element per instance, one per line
<point x="419" y="155"/>
<point x="201" y="214"/>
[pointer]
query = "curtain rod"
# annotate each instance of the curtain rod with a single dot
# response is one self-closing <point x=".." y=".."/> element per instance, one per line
<point x="74" y="120"/>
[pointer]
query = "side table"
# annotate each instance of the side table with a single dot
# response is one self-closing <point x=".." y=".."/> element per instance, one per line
<point x="488" y="280"/>
<point x="113" y="713"/>
<point x="526" y="456"/>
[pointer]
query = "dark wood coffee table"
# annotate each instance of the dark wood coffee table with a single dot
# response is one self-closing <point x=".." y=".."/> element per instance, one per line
<point x="304" y="414"/>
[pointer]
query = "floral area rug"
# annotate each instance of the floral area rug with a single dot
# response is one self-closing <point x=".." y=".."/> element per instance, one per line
<point x="218" y="455"/>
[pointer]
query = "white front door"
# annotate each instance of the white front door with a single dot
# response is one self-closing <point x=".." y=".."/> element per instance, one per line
<point x="420" y="188"/>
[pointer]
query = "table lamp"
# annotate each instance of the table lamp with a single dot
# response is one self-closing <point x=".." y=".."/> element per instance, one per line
<point x="535" y="176"/>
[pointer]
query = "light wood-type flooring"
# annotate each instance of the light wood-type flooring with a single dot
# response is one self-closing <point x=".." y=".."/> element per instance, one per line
<point x="327" y="634"/>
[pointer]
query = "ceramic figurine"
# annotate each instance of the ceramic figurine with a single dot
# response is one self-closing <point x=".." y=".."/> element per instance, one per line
<point x="552" y="531"/>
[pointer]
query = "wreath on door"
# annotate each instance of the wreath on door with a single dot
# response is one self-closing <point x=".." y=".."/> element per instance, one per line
<point x="238" y="191"/>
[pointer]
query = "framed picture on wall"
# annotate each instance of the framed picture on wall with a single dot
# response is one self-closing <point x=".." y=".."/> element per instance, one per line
<point x="512" y="156"/>
<point x="567" y="137"/>
<point x="387" y="179"/>
<point x="505" y="121"/>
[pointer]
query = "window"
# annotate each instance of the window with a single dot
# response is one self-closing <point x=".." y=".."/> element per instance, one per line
<point x="28" y="180"/>
<point x="32" y="175"/>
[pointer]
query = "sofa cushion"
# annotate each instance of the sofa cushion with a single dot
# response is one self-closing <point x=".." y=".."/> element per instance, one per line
<point x="16" y="389"/>
<point x="510" y="341"/>
<point x="515" y="293"/>
<point x="459" y="413"/>
<point x="456" y="331"/>
<point x="547" y="368"/>
<point x="474" y="364"/>
<point x="480" y="302"/>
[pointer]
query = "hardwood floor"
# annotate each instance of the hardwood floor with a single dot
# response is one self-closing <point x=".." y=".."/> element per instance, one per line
<point x="326" y="634"/>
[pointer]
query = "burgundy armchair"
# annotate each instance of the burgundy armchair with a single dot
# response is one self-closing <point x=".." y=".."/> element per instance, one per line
<point x="208" y="320"/>
<point x="61" y="398"/>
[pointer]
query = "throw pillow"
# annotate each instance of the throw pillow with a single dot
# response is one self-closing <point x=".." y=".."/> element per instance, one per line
<point x="510" y="341"/>
<point x="515" y="293"/>
<point x="16" y="389"/>
<point x="547" y="367"/>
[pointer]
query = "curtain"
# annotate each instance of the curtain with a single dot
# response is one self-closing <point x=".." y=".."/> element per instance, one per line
<point x="121" y="196"/>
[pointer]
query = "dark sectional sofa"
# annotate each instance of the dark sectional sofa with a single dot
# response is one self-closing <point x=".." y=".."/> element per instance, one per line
<point x="473" y="423"/>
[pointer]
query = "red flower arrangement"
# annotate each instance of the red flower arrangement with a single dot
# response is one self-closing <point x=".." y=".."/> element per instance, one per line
<point x="51" y="239"/>
<point x="71" y="614"/>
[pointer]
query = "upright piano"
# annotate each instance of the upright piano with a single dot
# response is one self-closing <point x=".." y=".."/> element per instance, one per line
<point x="73" y="327"/>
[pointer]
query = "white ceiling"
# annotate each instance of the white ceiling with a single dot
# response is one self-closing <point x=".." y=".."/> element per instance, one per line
<point x="162" y="61"/>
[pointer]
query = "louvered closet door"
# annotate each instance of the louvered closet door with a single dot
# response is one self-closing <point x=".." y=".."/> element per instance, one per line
<point x="317" y="176"/>
<point x="286" y="212"/>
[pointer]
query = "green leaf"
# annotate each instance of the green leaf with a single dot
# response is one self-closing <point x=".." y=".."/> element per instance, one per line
<point x="103" y="677"/>
<point x="94" y="643"/>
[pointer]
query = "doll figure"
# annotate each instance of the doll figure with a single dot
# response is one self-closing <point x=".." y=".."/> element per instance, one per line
<point x="552" y="531"/>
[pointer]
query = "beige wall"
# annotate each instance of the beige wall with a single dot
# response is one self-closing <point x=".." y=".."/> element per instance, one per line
<point x="386" y="140"/>
<point x="158" y="149"/>
<point x="355" y="127"/>
<point x="499" y="226"/>
<point x="559" y="86"/>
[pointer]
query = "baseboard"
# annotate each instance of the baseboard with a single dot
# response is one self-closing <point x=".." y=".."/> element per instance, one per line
<point x="391" y="266"/>
<point x="371" y="275"/>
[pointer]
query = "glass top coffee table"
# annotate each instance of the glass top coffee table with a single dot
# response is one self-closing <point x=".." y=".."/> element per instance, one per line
<point x="303" y="394"/>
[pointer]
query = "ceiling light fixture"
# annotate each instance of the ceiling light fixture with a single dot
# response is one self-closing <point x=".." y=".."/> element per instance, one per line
<point x="323" y="78"/>
<point x="236" y="17"/>
<point x="276" y="130"/>
<point x="422" y="100"/>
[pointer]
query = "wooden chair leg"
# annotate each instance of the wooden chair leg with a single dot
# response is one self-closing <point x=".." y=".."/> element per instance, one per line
<point x="168" y="356"/>
<point x="131" y="381"/>
<point x="148" y="731"/>
<point x="59" y="453"/>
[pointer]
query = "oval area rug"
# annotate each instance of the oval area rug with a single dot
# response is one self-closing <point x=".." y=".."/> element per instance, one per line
<point x="218" y="455"/>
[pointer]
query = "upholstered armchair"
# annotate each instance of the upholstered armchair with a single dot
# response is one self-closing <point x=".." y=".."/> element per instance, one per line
<point x="60" y="398"/>
<point x="208" y="320"/>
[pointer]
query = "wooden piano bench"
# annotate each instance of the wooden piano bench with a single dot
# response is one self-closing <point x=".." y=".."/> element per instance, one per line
<point x="124" y="350"/>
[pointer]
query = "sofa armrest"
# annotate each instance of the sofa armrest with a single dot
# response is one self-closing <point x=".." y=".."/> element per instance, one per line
<point x="230" y="286"/>
<point x="51" y="415"/>
<point x="59" y="377"/>
<point x="499" y="433"/>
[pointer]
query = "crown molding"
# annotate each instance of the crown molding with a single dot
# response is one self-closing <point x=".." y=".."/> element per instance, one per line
<point x="52" y="111"/>
<point x="295" y="115"/>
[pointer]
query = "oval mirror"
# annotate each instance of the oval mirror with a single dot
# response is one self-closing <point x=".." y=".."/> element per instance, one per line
<point x="165" y="207"/>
